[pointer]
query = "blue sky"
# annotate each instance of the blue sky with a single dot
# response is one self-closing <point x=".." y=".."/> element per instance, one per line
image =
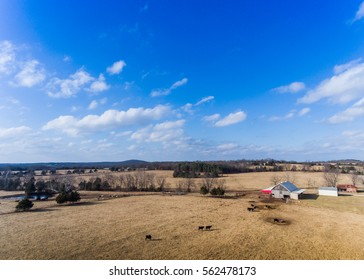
<point x="181" y="80"/>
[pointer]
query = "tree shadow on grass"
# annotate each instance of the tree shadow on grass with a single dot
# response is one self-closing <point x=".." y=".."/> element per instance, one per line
<point x="42" y="210"/>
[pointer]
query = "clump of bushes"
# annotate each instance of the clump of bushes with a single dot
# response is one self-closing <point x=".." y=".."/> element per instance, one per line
<point x="204" y="190"/>
<point x="24" y="205"/>
<point x="217" y="191"/>
<point x="69" y="196"/>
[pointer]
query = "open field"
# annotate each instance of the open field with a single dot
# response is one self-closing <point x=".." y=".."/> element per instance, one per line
<point x="115" y="228"/>
<point x="234" y="182"/>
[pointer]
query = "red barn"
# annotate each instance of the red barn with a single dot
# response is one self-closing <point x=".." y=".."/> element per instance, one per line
<point x="347" y="188"/>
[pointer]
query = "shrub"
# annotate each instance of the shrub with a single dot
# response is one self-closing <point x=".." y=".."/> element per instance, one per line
<point x="24" y="204"/>
<point x="71" y="196"/>
<point x="217" y="191"/>
<point x="204" y="190"/>
<point x="62" y="198"/>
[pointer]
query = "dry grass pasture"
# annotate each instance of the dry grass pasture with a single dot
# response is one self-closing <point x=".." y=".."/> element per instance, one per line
<point x="115" y="228"/>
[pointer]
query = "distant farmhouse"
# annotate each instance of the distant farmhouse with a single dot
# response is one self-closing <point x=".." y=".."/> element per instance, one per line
<point x="284" y="190"/>
<point x="347" y="188"/>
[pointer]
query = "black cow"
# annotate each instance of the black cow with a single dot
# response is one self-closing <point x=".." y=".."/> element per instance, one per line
<point x="208" y="227"/>
<point x="148" y="237"/>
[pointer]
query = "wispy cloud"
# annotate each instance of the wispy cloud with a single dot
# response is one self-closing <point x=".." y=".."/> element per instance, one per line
<point x="304" y="111"/>
<point x="204" y="100"/>
<point x="291" y="88"/>
<point x="359" y="13"/>
<point x="230" y="119"/>
<point x="7" y="57"/>
<point x="14" y="131"/>
<point x="350" y="114"/>
<point x="211" y="118"/>
<point x="289" y="115"/>
<point x="108" y="120"/>
<point x="31" y="74"/>
<point x="345" y="86"/>
<point x="167" y="91"/>
<point x="346" y="66"/>
<point x="116" y="68"/>
<point x="94" y="103"/>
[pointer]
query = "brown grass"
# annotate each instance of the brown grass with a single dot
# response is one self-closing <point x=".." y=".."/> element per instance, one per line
<point x="115" y="228"/>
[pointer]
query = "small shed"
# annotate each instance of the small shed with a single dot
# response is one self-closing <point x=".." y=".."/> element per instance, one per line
<point x="286" y="190"/>
<point x="328" y="191"/>
<point x="347" y="188"/>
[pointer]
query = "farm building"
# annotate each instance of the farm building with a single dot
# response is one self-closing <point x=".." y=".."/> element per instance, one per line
<point x="267" y="191"/>
<point x="347" y="188"/>
<point x="286" y="190"/>
<point x="328" y="191"/>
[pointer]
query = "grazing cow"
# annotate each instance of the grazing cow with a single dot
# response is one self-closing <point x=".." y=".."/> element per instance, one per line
<point x="252" y="205"/>
<point x="148" y="237"/>
<point x="250" y="209"/>
<point x="200" y="227"/>
<point x="208" y="227"/>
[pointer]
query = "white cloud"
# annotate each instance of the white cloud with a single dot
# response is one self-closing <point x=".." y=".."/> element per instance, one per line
<point x="343" y="67"/>
<point x="304" y="111"/>
<point x="116" y="68"/>
<point x="108" y="120"/>
<point x="99" y="85"/>
<point x="350" y="114"/>
<point x="7" y="57"/>
<point x="93" y="105"/>
<point x="67" y="58"/>
<point x="59" y="88"/>
<point x="204" y="100"/>
<point x="179" y="83"/>
<point x="227" y="147"/>
<point x="187" y="108"/>
<point x="162" y="132"/>
<point x="74" y="108"/>
<point x="167" y="91"/>
<point x="14" y="131"/>
<point x="291" y="88"/>
<point x="232" y="118"/>
<point x="360" y="12"/>
<point x="341" y="88"/>
<point x="211" y="118"/>
<point x="31" y="74"/>
<point x="289" y="115"/>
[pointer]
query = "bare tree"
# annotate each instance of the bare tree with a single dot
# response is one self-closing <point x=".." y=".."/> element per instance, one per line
<point x="290" y="177"/>
<point x="331" y="175"/>
<point x="208" y="183"/>
<point x="275" y="179"/>
<point x="161" y="183"/>
<point x="189" y="184"/>
<point x="354" y="178"/>
<point x="311" y="183"/>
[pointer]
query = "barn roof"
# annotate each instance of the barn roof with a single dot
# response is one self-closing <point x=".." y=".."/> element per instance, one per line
<point x="289" y="186"/>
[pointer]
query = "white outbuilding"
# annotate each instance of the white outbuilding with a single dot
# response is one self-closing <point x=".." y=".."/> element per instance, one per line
<point x="328" y="191"/>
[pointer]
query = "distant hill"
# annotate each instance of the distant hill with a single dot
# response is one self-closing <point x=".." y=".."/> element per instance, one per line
<point x="72" y="165"/>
